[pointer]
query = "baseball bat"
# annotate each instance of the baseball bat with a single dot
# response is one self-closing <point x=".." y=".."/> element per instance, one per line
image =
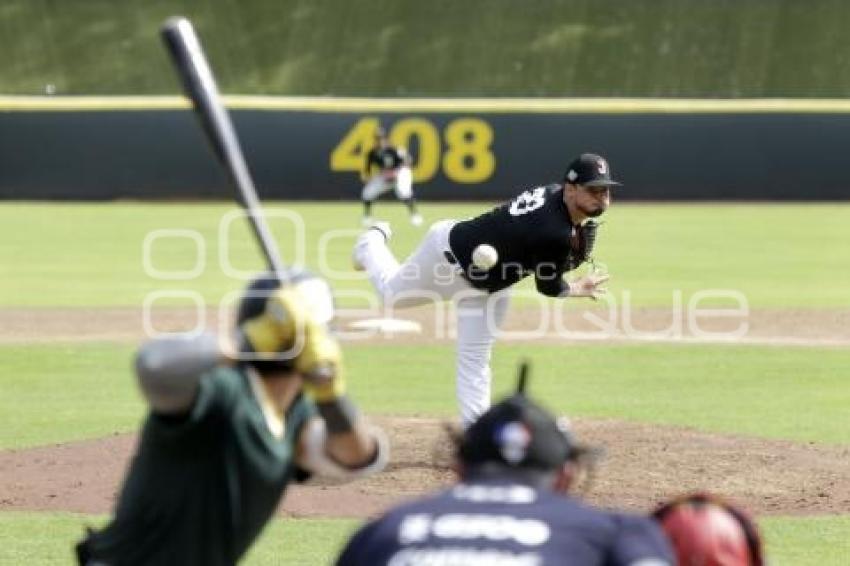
<point x="522" y="376"/>
<point x="200" y="86"/>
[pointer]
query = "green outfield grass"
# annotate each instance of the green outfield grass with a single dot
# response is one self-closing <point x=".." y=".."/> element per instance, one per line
<point x="89" y="255"/>
<point x="793" y="541"/>
<point x="62" y="393"/>
<point x="46" y="539"/>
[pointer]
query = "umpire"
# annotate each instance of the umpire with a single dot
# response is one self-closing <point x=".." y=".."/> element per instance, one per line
<point x="510" y="508"/>
<point x="224" y="438"/>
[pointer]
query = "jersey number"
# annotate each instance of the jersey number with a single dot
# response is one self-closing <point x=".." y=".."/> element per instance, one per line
<point x="467" y="159"/>
<point x="528" y="201"/>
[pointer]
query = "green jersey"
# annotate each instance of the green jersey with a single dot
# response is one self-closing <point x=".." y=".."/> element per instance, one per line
<point x="202" y="486"/>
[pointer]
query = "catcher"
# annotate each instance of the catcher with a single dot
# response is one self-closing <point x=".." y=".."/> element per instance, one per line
<point x="229" y="430"/>
<point x="545" y="232"/>
<point x="707" y="530"/>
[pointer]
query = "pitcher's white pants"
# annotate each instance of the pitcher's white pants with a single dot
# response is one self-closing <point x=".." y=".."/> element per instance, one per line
<point x="427" y="276"/>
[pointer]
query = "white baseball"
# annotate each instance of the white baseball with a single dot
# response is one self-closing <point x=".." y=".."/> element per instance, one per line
<point x="485" y="256"/>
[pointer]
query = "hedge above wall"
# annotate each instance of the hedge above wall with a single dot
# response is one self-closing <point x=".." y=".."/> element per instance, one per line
<point x="585" y="48"/>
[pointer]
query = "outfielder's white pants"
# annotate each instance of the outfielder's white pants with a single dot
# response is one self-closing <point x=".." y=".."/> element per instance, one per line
<point x="378" y="185"/>
<point x="427" y="277"/>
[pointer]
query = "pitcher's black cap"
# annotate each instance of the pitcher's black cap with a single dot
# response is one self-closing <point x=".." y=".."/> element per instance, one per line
<point x="590" y="170"/>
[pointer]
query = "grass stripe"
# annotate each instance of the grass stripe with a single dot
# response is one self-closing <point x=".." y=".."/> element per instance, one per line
<point x="62" y="393"/>
<point x="47" y="538"/>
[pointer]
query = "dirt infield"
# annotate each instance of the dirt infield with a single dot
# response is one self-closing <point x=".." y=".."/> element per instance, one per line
<point x="804" y="327"/>
<point x="644" y="465"/>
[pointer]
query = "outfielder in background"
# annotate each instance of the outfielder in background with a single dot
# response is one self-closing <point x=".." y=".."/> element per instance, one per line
<point x="545" y="231"/>
<point x="511" y="506"/>
<point x="224" y="438"/>
<point x="386" y="168"/>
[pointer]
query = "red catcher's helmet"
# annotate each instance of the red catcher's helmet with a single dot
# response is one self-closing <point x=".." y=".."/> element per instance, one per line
<point x="708" y="531"/>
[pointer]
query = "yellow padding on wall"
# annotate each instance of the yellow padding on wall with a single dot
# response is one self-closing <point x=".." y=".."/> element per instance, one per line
<point x="448" y="105"/>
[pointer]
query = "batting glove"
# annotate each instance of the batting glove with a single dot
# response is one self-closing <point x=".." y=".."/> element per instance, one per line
<point x="287" y="327"/>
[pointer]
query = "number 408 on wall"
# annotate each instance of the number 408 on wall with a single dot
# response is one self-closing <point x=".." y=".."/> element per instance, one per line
<point x="466" y="158"/>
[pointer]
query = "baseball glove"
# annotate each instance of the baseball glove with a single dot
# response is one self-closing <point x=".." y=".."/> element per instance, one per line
<point x="582" y="248"/>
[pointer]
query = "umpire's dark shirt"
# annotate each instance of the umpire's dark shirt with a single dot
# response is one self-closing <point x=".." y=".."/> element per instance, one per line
<point x="492" y="523"/>
<point x="531" y="233"/>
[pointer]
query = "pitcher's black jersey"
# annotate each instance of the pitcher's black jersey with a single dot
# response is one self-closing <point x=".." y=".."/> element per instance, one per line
<point x="533" y="234"/>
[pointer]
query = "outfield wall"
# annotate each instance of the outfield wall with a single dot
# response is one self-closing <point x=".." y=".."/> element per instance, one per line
<point x="300" y="148"/>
